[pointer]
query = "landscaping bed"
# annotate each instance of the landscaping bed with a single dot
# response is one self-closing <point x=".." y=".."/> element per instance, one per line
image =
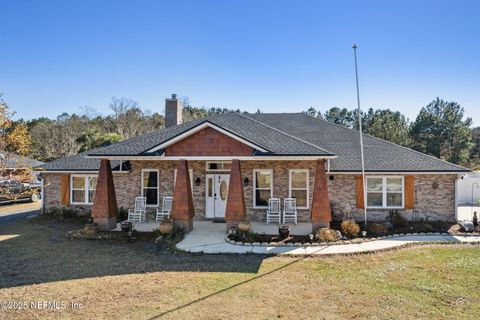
<point x="251" y="237"/>
<point x="350" y="231"/>
<point x="112" y="235"/>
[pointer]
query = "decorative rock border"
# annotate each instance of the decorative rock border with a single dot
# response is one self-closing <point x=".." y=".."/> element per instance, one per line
<point x="340" y="242"/>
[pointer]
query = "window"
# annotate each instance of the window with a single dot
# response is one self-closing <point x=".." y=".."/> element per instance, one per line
<point x="123" y="166"/>
<point x="385" y="192"/>
<point x="150" y="182"/>
<point x="219" y="166"/>
<point x="262" y="188"/>
<point x="299" y="186"/>
<point x="82" y="189"/>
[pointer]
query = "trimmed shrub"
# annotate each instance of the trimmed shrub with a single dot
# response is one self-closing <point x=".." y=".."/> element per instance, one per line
<point x="350" y="228"/>
<point x="326" y="235"/>
<point x="397" y="219"/>
<point x="475" y="219"/>
<point x="376" y="229"/>
<point x="428" y="227"/>
<point x="424" y="227"/>
<point x="61" y="212"/>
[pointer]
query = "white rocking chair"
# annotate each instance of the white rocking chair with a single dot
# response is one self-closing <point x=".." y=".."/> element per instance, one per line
<point x="166" y="208"/>
<point x="290" y="210"/>
<point x="273" y="212"/>
<point x="137" y="214"/>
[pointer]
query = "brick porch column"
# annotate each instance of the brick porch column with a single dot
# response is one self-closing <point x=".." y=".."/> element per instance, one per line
<point x="235" y="210"/>
<point x="104" y="210"/>
<point x="321" y="214"/>
<point x="182" y="207"/>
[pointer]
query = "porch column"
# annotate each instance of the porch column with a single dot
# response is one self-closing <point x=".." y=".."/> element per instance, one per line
<point x="182" y="207"/>
<point x="235" y="210"/>
<point x="104" y="210"/>
<point x="321" y="214"/>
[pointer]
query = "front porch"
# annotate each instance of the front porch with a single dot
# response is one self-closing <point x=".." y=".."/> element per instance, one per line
<point x="301" y="228"/>
<point x="241" y="192"/>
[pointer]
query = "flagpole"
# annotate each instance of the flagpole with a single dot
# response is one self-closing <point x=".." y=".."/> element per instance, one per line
<point x="361" y="136"/>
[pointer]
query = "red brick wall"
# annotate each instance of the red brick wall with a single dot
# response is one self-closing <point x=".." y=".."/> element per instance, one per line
<point x="209" y="142"/>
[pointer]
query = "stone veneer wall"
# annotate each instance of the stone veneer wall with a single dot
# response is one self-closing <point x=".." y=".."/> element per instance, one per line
<point x="429" y="202"/>
<point x="280" y="184"/>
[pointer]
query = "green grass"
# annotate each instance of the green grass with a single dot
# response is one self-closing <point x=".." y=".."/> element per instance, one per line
<point x="140" y="281"/>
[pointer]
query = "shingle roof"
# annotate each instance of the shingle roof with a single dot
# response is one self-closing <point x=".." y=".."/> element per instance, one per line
<point x="78" y="162"/>
<point x="263" y="135"/>
<point x="281" y="134"/>
<point x="380" y="155"/>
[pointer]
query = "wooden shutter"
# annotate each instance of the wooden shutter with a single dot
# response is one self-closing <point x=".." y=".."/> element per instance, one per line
<point x="360" y="197"/>
<point x="409" y="192"/>
<point x="65" y="189"/>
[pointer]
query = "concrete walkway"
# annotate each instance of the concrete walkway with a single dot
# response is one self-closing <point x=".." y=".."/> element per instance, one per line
<point x="213" y="241"/>
<point x="12" y="212"/>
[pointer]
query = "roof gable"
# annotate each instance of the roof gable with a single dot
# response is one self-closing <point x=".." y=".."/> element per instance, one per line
<point x="202" y="136"/>
<point x="209" y="141"/>
<point x="264" y="138"/>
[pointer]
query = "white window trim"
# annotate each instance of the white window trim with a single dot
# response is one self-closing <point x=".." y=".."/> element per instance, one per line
<point x="384" y="192"/>
<point x="290" y="171"/>
<point x="158" y="186"/>
<point x="190" y="173"/>
<point x="120" y="166"/>
<point x="270" y="171"/>
<point x="85" y="177"/>
<point x="216" y="170"/>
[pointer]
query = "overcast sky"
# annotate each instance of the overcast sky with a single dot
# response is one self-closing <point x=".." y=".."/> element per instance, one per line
<point x="279" y="56"/>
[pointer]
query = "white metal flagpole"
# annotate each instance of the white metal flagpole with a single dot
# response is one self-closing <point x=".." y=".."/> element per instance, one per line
<point x="361" y="137"/>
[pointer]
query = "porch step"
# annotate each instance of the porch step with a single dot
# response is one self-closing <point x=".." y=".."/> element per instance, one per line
<point x="218" y="220"/>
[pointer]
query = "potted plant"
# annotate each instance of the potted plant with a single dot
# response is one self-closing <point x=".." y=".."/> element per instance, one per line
<point x="166" y="226"/>
<point x="244" y="225"/>
<point x="283" y="231"/>
<point x="126" y="226"/>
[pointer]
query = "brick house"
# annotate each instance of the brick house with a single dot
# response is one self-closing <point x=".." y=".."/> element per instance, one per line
<point x="13" y="166"/>
<point x="226" y="167"/>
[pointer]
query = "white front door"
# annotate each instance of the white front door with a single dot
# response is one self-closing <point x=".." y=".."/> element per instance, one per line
<point x="216" y="195"/>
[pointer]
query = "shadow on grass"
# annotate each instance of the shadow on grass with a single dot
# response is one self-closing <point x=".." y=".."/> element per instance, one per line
<point x="40" y="253"/>
<point x="229" y="288"/>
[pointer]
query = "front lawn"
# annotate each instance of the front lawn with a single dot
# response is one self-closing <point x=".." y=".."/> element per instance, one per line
<point x="140" y="281"/>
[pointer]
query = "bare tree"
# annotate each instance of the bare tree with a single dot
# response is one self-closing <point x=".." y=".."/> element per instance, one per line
<point x="53" y="139"/>
<point x="89" y="112"/>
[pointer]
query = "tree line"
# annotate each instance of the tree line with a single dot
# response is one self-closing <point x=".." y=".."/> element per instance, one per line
<point x="440" y="129"/>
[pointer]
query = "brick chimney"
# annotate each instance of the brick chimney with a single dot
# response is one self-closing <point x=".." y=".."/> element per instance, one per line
<point x="173" y="111"/>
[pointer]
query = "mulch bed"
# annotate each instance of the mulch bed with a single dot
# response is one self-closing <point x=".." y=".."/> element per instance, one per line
<point x="269" y="238"/>
<point x="111" y="235"/>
